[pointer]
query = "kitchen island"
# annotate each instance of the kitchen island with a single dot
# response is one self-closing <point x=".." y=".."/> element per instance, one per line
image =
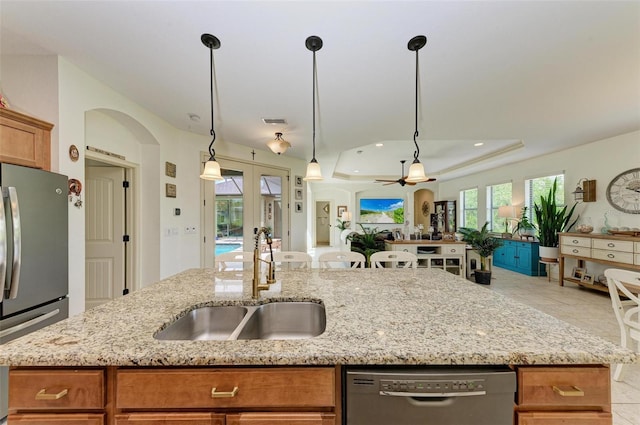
<point x="373" y="317"/>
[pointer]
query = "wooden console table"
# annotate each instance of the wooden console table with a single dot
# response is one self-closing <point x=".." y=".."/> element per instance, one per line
<point x="617" y="251"/>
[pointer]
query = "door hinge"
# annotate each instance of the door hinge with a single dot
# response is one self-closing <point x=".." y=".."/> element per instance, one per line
<point x="125" y="238"/>
<point x="125" y="184"/>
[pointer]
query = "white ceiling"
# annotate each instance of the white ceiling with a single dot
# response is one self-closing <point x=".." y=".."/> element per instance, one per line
<point x="524" y="77"/>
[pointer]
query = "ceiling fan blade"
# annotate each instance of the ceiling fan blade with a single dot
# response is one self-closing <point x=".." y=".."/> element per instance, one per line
<point x="387" y="184"/>
<point x="391" y="181"/>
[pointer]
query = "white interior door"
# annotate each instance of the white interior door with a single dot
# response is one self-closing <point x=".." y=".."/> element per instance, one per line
<point x="105" y="228"/>
<point x="323" y="223"/>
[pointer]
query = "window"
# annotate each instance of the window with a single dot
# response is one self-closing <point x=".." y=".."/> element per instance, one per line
<point x="535" y="188"/>
<point x="497" y="195"/>
<point x="469" y="202"/>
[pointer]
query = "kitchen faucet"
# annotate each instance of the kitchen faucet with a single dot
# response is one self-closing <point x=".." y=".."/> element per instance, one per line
<point x="271" y="277"/>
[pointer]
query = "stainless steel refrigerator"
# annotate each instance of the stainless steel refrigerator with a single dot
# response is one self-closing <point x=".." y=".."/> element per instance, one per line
<point x="33" y="255"/>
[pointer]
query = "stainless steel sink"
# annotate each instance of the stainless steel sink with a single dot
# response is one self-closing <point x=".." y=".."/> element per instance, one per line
<point x="277" y="320"/>
<point x="205" y="323"/>
<point x="285" y="321"/>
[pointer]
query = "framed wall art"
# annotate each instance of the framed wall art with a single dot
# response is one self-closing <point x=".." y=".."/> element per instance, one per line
<point x="298" y="181"/>
<point x="299" y="194"/>
<point x="298" y="206"/>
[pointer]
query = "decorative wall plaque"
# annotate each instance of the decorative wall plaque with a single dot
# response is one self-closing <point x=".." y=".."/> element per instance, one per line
<point x="170" y="169"/>
<point x="170" y="190"/>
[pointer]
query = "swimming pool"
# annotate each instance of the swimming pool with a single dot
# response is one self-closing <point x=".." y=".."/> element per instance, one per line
<point x="226" y="247"/>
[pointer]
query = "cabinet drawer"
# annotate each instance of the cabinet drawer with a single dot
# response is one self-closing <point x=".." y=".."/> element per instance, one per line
<point x="281" y="419"/>
<point x="637" y="260"/>
<point x="617" y="256"/>
<point x="453" y="249"/>
<point x="170" y="419"/>
<point x="636" y="247"/>
<point x="56" y="389"/>
<point x="579" y="251"/>
<point x="564" y="418"/>
<point x="210" y="388"/>
<point x="575" y="241"/>
<point x="57" y="419"/>
<point x="584" y="387"/>
<point x="613" y="245"/>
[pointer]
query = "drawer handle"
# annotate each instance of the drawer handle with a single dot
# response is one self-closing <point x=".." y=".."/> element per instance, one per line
<point x="42" y="395"/>
<point x="571" y="391"/>
<point x="611" y="256"/>
<point x="611" y="245"/>
<point x="574" y="241"/>
<point x="575" y="251"/>
<point x="453" y="250"/>
<point x="224" y="394"/>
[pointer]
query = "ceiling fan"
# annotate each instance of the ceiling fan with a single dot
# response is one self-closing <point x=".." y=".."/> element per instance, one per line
<point x="401" y="180"/>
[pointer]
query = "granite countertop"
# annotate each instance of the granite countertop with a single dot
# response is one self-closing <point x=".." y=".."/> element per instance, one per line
<point x="374" y="316"/>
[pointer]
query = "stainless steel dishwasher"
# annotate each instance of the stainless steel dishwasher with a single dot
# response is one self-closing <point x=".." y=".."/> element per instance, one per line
<point x="429" y="395"/>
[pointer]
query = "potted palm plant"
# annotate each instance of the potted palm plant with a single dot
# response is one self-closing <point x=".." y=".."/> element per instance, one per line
<point x="484" y="243"/>
<point x="552" y="220"/>
<point x="367" y="242"/>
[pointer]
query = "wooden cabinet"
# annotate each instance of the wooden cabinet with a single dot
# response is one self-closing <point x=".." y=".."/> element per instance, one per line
<point x="612" y="250"/>
<point x="444" y="218"/>
<point x="24" y="140"/>
<point x="170" y="419"/>
<point x="563" y="395"/>
<point x="199" y="388"/>
<point x="281" y="419"/>
<point x="57" y="396"/>
<point x="519" y="256"/>
<point x="449" y="256"/>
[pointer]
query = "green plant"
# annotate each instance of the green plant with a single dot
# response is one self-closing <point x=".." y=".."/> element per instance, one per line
<point x="366" y="242"/>
<point x="551" y="218"/>
<point x="343" y="225"/>
<point x="482" y="241"/>
<point x="524" y="224"/>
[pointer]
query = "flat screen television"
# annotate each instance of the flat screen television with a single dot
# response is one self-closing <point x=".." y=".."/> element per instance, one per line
<point x="381" y="210"/>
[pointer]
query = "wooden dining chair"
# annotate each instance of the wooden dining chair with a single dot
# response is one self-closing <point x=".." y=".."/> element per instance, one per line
<point x="627" y="311"/>
<point x="342" y="259"/>
<point x="408" y="259"/>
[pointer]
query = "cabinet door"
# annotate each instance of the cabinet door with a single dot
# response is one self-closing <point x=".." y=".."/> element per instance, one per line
<point x="57" y="419"/>
<point x="564" y="418"/>
<point x="24" y="140"/>
<point x="500" y="256"/>
<point x="523" y="257"/>
<point x="510" y="254"/>
<point x="170" y="419"/>
<point x="281" y="419"/>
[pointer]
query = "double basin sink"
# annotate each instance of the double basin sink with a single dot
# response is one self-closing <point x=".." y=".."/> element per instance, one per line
<point x="276" y="320"/>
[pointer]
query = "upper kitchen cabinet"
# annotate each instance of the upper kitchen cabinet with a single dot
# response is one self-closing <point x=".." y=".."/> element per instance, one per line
<point x="24" y="140"/>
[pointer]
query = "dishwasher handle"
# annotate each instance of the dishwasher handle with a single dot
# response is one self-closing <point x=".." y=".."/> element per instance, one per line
<point x="432" y="395"/>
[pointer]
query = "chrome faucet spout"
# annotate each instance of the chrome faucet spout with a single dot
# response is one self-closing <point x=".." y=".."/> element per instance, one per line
<point x="257" y="286"/>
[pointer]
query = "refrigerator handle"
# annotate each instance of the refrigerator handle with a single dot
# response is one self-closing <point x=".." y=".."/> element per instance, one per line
<point x="17" y="243"/>
<point x="3" y="244"/>
<point x="29" y="323"/>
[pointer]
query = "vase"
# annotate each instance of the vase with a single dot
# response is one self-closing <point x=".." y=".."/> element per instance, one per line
<point x="549" y="253"/>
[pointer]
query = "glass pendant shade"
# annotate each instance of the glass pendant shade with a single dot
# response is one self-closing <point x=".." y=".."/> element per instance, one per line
<point x="211" y="171"/>
<point x="416" y="173"/>
<point x="278" y="145"/>
<point x="313" y="171"/>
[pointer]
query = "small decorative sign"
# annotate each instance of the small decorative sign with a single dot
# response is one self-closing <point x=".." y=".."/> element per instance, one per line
<point x="170" y="190"/>
<point x="73" y="153"/>
<point x="115" y="155"/>
<point x="170" y="169"/>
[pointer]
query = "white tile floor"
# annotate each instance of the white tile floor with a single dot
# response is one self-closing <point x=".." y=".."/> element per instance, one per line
<point x="584" y="308"/>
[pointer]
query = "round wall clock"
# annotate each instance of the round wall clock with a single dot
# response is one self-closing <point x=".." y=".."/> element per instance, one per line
<point x="623" y="193"/>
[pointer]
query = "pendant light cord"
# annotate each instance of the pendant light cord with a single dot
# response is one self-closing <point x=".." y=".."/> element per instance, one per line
<point x="212" y="152"/>
<point x="313" y="156"/>
<point x="416" y="153"/>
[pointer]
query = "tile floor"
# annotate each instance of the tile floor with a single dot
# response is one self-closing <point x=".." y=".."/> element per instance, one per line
<point x="584" y="308"/>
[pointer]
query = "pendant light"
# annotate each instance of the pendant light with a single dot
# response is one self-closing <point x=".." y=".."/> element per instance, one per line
<point x="416" y="170"/>
<point x="278" y="145"/>
<point x="211" y="168"/>
<point x="314" y="44"/>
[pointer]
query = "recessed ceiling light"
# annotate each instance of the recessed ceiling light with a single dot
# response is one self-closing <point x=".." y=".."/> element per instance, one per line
<point x="478" y="144"/>
<point x="356" y="171"/>
<point x="379" y="145"/>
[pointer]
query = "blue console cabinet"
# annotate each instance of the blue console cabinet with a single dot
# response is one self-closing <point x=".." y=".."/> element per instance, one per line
<point x="519" y="256"/>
